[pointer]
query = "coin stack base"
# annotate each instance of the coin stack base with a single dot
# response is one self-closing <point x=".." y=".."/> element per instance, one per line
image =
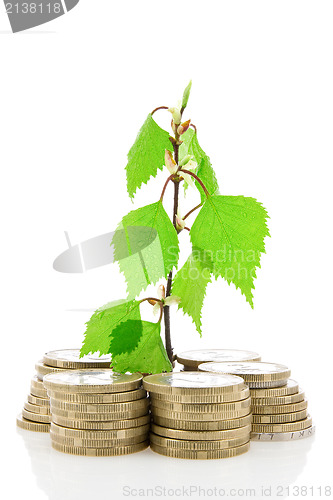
<point x="199" y="415"/>
<point x="98" y="412"/>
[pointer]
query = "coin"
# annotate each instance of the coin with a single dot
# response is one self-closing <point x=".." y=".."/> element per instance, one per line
<point x="291" y="387"/>
<point x="180" y="415"/>
<point x="197" y="455"/>
<point x="98" y="443"/>
<point x="42" y="410"/>
<point x="279" y="418"/>
<point x="28" y="425"/>
<point x="192" y="359"/>
<point x="287" y="427"/>
<point x="92" y="425"/>
<point x="283" y="436"/>
<point x="36" y="417"/>
<point x="186" y="444"/>
<point x="70" y="359"/>
<point x="100" y="435"/>
<point x="100" y="452"/>
<point x="92" y="381"/>
<point x="254" y="373"/>
<point x="115" y="397"/>
<point x="99" y="417"/>
<point x="43" y="370"/>
<point x="272" y="409"/>
<point x="39" y="393"/>
<point x="192" y="383"/>
<point x="35" y="382"/>
<point x="276" y="401"/>
<point x="201" y="435"/>
<point x="202" y="408"/>
<point x="38" y="401"/>
<point x="100" y="408"/>
<point x="195" y="425"/>
<point x="226" y="397"/>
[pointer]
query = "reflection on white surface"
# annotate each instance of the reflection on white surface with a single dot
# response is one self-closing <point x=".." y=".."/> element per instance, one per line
<point x="67" y="477"/>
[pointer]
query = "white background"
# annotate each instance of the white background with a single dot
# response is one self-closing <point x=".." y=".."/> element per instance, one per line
<point x="73" y="96"/>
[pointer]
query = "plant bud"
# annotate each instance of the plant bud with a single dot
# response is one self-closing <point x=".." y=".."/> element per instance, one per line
<point x="175" y="115"/>
<point x="186" y="160"/>
<point x="180" y="223"/>
<point x="152" y="302"/>
<point x="183" y="127"/>
<point x="170" y="163"/>
<point x="161" y="292"/>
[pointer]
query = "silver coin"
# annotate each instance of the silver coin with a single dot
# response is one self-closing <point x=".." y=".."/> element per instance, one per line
<point x="283" y="436"/>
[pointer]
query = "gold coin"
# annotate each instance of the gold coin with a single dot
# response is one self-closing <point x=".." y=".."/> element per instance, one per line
<point x="42" y="410"/>
<point x="116" y="397"/>
<point x="187" y="444"/>
<point x="69" y="359"/>
<point x="36" y="417"/>
<point x="287" y="427"/>
<point x="28" y="425"/>
<point x="279" y="418"/>
<point x="192" y="383"/>
<point x="201" y="435"/>
<point x="92" y="425"/>
<point x="34" y="400"/>
<point x="254" y="373"/>
<point x="192" y="359"/>
<point x="92" y="381"/>
<point x="275" y="401"/>
<point x="100" y="452"/>
<point x="218" y="425"/>
<point x="36" y="382"/>
<point x="38" y="393"/>
<point x="270" y="409"/>
<point x="200" y="455"/>
<point x="100" y="435"/>
<point x="98" y="443"/>
<point x="43" y="370"/>
<point x="227" y="397"/>
<point x="220" y="408"/>
<point x="99" y="417"/>
<point x="291" y="387"/>
<point x="99" y="408"/>
<point x="159" y="412"/>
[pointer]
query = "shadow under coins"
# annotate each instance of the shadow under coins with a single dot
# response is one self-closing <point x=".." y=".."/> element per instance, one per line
<point x="68" y="477"/>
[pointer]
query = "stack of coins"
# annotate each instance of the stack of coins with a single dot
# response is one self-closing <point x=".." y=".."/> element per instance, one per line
<point x="69" y="359"/>
<point x="97" y="412"/>
<point x="199" y="415"/>
<point x="36" y="415"/>
<point x="278" y="406"/>
<point x="192" y="359"/>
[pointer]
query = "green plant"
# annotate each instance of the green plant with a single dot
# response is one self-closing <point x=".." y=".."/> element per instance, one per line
<point x="227" y="239"/>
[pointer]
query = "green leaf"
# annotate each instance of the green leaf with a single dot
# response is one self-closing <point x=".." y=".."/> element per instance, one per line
<point x="190" y="285"/>
<point x="186" y="95"/>
<point x="104" y="321"/>
<point x="146" y="155"/>
<point x="146" y="247"/>
<point x="149" y="356"/>
<point x="125" y="337"/>
<point x="205" y="170"/>
<point x="230" y="232"/>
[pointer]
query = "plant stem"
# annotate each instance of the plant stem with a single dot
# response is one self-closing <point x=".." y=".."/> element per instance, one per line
<point x="168" y="345"/>
<point x="197" y="179"/>
<point x="157" y="109"/>
<point x="191" y="211"/>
